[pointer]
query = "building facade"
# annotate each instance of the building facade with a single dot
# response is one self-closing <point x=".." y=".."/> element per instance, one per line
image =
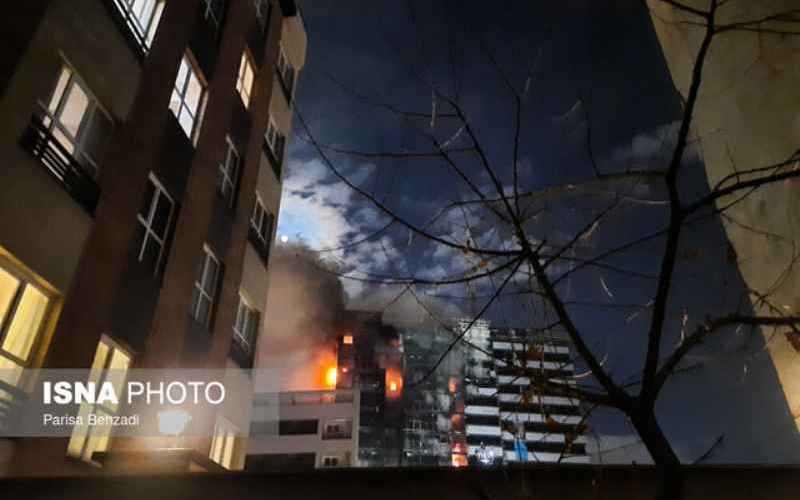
<point x="506" y="420"/>
<point x="304" y="430"/>
<point x="144" y="143"/>
<point x="746" y="117"/>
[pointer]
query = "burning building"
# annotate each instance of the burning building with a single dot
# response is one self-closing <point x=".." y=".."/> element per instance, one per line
<point x="369" y="357"/>
<point x="432" y="397"/>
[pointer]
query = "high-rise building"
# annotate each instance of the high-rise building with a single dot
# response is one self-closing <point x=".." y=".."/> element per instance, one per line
<point x="432" y="397"/>
<point x="368" y="360"/>
<point x="143" y="146"/>
<point x="507" y="420"/>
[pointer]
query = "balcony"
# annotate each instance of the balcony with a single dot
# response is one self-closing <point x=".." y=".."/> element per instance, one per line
<point x="332" y="435"/>
<point x="70" y="174"/>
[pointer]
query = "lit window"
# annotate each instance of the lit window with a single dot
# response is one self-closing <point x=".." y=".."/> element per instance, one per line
<point x="285" y="70"/>
<point x="262" y="221"/>
<point x="244" y="83"/>
<point x="223" y="444"/>
<point x="213" y="11"/>
<point x="205" y="287"/>
<point x="245" y="330"/>
<point x="23" y="312"/>
<point x="229" y="172"/>
<point x="110" y="364"/>
<point x="154" y="219"/>
<point x="188" y="98"/>
<point x="77" y="121"/>
<point x="141" y="17"/>
<point x="348" y="339"/>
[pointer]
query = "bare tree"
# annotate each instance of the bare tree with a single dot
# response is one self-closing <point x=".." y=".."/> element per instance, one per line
<point x="511" y="250"/>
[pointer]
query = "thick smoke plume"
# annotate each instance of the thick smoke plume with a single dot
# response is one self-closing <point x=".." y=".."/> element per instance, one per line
<point x="303" y="307"/>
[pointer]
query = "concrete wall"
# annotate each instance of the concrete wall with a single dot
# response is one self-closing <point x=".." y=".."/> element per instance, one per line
<point x="747" y="116"/>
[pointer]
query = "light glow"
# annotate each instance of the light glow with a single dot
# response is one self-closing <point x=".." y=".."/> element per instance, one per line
<point x="330" y="376"/>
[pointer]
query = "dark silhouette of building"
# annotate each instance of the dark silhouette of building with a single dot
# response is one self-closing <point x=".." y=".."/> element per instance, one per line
<point x="143" y="146"/>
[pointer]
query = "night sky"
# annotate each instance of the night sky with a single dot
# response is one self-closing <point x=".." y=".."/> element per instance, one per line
<point x="366" y="56"/>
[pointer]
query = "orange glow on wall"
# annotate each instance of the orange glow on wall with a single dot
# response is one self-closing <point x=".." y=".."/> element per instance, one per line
<point x="394" y="383"/>
<point x="452" y="384"/>
<point x="459" y="460"/>
<point x="330" y="377"/>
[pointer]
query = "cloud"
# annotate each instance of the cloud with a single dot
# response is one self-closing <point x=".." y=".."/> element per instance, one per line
<point x="651" y="149"/>
<point x="325" y="215"/>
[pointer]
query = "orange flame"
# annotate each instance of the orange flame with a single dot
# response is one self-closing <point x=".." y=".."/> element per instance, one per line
<point x="394" y="383"/>
<point x="330" y="377"/>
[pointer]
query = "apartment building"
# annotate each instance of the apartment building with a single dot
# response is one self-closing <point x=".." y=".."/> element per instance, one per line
<point x="304" y="430"/>
<point x="143" y="144"/>
<point x="505" y="421"/>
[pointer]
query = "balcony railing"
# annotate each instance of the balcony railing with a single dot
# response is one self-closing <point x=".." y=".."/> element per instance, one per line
<point x="331" y="435"/>
<point x="70" y="174"/>
<point x="11" y="401"/>
<point x="129" y="24"/>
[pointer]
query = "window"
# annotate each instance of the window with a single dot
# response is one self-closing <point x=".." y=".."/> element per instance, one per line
<point x="274" y="139"/>
<point x="244" y="82"/>
<point x="77" y="121"/>
<point x="24" y="308"/>
<point x="298" y="427"/>
<point x="286" y="72"/>
<point x="141" y="17"/>
<point x="154" y="219"/>
<point x="245" y="330"/>
<point x="223" y="444"/>
<point x="229" y="173"/>
<point x="213" y="11"/>
<point x="338" y="429"/>
<point x="205" y="287"/>
<point x="330" y="461"/>
<point x="262" y="221"/>
<point x="111" y="363"/>
<point x="262" y="12"/>
<point x="188" y="97"/>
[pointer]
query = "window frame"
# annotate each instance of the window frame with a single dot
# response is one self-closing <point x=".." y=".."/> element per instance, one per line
<point x="285" y="69"/>
<point x="261" y="226"/>
<point x="245" y="309"/>
<point x="99" y="374"/>
<point x="224" y="429"/>
<point x="24" y="280"/>
<point x="262" y="8"/>
<point x="329" y="461"/>
<point x="246" y="92"/>
<point x="159" y="191"/>
<point x="210" y="16"/>
<point x="51" y="117"/>
<point x="192" y="69"/>
<point x="276" y="138"/>
<point x="144" y="35"/>
<point x="211" y="295"/>
<point x="226" y="178"/>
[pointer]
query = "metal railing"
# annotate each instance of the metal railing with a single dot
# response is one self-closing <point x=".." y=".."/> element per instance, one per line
<point x="60" y="163"/>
